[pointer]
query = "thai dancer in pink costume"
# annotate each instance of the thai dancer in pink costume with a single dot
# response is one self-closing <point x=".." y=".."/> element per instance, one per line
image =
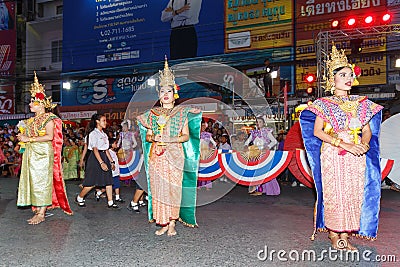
<point x="340" y="133"/>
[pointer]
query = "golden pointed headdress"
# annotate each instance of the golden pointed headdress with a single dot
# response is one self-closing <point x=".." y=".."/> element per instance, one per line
<point x="37" y="94"/>
<point x="337" y="60"/>
<point x="167" y="78"/>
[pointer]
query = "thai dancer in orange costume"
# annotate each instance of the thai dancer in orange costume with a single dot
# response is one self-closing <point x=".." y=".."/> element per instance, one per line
<point x="171" y="146"/>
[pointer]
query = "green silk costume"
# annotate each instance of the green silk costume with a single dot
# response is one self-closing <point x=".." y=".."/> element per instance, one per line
<point x="191" y="150"/>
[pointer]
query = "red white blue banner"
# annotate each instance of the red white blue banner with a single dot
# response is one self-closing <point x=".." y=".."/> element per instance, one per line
<point x="209" y="169"/>
<point x="254" y="172"/>
<point x="129" y="166"/>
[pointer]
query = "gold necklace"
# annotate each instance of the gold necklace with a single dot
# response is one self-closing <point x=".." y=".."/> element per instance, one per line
<point x="348" y="106"/>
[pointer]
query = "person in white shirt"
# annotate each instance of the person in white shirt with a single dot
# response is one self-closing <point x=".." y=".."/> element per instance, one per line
<point x="224" y="145"/>
<point x="99" y="163"/>
<point x="183" y="15"/>
<point x="115" y="173"/>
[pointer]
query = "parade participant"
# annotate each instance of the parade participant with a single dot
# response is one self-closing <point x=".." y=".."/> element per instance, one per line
<point x="207" y="148"/>
<point x="126" y="139"/>
<point x="128" y="143"/>
<point x="207" y="143"/>
<point x="171" y="145"/>
<point x="238" y="142"/>
<point x="82" y="150"/>
<point x="262" y="139"/>
<point x="115" y="172"/>
<point x="99" y="162"/>
<point x="41" y="184"/>
<point x="71" y="157"/>
<point x="345" y="165"/>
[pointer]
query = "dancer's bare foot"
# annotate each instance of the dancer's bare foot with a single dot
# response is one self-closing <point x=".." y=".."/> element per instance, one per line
<point x="345" y="237"/>
<point x="336" y="241"/>
<point x="34" y="212"/>
<point x="162" y="230"/>
<point x="38" y="218"/>
<point x="171" y="228"/>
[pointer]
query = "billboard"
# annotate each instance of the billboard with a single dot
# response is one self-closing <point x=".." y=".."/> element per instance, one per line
<point x="102" y="90"/>
<point x="313" y="16"/>
<point x="7" y="55"/>
<point x="7" y="99"/>
<point x="7" y="38"/>
<point x="121" y="89"/>
<point x="112" y="33"/>
<point x="253" y="25"/>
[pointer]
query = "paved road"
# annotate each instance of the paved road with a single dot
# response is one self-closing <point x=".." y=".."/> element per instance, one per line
<point x="232" y="231"/>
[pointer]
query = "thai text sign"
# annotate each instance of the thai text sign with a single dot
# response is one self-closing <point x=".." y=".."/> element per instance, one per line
<point x="258" y="24"/>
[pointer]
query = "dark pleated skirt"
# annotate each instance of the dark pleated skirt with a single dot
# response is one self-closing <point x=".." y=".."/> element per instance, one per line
<point x="94" y="174"/>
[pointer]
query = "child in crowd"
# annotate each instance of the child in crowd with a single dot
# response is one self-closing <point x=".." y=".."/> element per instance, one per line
<point x="115" y="173"/>
<point x="224" y="142"/>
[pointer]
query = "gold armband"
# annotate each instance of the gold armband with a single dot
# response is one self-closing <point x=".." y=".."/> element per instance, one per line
<point x="32" y="139"/>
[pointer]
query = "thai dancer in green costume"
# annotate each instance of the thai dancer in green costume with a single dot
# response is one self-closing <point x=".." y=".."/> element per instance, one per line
<point x="171" y="145"/>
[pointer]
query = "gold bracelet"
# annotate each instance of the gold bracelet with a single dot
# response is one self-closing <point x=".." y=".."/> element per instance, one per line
<point x="334" y="139"/>
<point x="337" y="142"/>
<point x="150" y="137"/>
<point x="366" y="144"/>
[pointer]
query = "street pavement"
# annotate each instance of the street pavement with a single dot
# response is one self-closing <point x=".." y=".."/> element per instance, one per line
<point x="234" y="230"/>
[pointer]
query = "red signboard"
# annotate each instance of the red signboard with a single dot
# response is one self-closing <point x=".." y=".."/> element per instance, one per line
<point x="313" y="16"/>
<point x="7" y="56"/>
<point x="7" y="38"/>
<point x="6" y="99"/>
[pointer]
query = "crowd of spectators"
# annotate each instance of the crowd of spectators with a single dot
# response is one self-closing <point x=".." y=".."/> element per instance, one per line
<point x="10" y="157"/>
<point x="225" y="137"/>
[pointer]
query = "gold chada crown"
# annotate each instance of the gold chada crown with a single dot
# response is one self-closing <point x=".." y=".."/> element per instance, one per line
<point x="37" y="93"/>
<point x="167" y="77"/>
<point x="338" y="59"/>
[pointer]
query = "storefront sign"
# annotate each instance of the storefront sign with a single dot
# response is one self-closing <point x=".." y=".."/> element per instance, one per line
<point x="258" y="24"/>
<point x="77" y="115"/>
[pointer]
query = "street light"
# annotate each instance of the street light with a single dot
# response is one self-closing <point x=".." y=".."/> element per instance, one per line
<point x="66" y="85"/>
<point x="310" y="78"/>
<point x="397" y="63"/>
<point x="151" y="82"/>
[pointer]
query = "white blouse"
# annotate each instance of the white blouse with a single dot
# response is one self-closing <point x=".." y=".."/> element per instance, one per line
<point x="98" y="139"/>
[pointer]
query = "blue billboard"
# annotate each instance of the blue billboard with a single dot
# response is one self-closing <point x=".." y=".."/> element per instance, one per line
<point x="121" y="89"/>
<point x="110" y="33"/>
